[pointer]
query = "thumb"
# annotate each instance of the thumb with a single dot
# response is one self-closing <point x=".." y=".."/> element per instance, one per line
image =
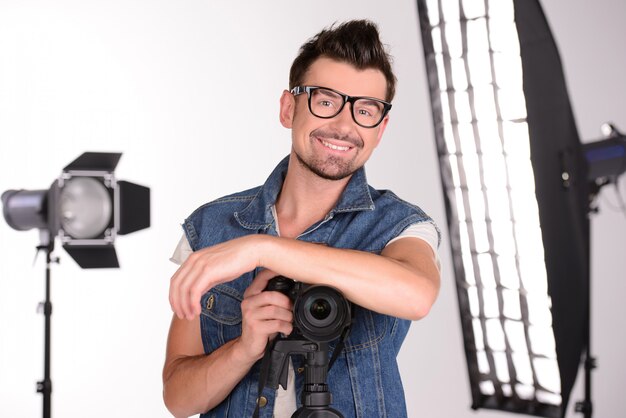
<point x="260" y="282"/>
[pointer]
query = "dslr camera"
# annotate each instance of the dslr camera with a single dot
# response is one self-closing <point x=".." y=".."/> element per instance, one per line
<point x="320" y="313"/>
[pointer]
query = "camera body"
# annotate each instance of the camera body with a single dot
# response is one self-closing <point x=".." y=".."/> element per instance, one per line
<point x="320" y="313"/>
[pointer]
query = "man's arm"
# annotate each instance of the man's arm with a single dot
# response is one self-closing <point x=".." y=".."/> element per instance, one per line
<point x="189" y="383"/>
<point x="402" y="281"/>
<point x="193" y="382"/>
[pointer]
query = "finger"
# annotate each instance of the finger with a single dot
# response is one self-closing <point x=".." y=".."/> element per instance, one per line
<point x="197" y="290"/>
<point x="179" y="286"/>
<point x="269" y="312"/>
<point x="189" y="290"/>
<point x="259" y="283"/>
<point x="197" y="286"/>
<point x="266" y="299"/>
<point x="264" y="329"/>
<point x="175" y="283"/>
<point x="270" y="327"/>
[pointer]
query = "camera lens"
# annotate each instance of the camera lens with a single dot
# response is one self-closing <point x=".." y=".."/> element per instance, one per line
<point x="321" y="313"/>
<point x="320" y="309"/>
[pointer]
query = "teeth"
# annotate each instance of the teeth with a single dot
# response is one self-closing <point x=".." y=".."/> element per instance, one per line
<point x="335" y="147"/>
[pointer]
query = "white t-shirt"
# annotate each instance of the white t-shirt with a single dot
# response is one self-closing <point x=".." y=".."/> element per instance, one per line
<point x="285" y="404"/>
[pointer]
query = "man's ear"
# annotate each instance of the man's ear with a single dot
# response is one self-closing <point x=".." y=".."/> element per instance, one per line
<point x="287" y="108"/>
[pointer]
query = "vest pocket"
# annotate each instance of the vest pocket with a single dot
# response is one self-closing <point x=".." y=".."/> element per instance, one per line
<point x="221" y="316"/>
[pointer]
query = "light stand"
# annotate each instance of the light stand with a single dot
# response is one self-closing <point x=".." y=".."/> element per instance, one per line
<point x="585" y="406"/>
<point x="86" y="208"/>
<point x="45" y="386"/>
<point x="606" y="161"/>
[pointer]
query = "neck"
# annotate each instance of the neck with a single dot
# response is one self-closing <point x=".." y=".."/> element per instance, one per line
<point x="305" y="198"/>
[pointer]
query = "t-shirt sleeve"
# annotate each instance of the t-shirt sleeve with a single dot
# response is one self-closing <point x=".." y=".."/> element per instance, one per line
<point x="425" y="231"/>
<point x="182" y="251"/>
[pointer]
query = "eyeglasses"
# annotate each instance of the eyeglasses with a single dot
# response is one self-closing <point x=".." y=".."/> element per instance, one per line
<point x="326" y="103"/>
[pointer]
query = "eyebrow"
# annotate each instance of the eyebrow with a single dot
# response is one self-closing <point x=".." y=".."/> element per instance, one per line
<point x="327" y="92"/>
<point x="369" y="102"/>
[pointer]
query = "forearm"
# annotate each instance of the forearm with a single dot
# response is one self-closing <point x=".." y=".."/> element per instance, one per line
<point x="376" y="282"/>
<point x="402" y="281"/>
<point x="196" y="384"/>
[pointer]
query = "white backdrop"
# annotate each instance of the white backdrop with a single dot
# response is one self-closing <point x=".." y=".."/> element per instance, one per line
<point x="189" y="91"/>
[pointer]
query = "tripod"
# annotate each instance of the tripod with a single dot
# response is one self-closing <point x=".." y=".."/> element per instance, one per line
<point x="315" y="397"/>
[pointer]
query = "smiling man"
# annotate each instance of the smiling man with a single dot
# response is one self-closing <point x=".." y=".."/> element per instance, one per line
<point x="317" y="221"/>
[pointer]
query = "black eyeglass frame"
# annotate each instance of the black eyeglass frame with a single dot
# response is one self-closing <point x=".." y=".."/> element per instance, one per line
<point x="297" y="90"/>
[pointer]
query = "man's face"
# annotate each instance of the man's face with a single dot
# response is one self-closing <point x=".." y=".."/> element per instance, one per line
<point x="337" y="147"/>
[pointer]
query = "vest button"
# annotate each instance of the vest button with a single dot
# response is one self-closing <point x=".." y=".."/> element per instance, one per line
<point x="262" y="401"/>
<point x="210" y="302"/>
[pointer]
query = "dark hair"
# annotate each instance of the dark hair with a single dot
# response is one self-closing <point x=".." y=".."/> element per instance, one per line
<point x="355" y="42"/>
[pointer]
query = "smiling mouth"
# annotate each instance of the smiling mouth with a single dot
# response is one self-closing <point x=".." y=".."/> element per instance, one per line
<point x="333" y="146"/>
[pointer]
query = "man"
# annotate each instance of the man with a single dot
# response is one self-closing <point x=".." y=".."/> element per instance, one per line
<point x="315" y="220"/>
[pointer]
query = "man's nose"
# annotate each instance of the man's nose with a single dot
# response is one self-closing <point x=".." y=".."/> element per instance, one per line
<point x="345" y="116"/>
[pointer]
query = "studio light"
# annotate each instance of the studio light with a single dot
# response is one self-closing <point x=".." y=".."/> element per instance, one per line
<point x="606" y="159"/>
<point x="516" y="190"/>
<point x="86" y="208"/>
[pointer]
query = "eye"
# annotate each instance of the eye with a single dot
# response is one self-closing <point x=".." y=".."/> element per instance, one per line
<point x="323" y="98"/>
<point x="367" y="108"/>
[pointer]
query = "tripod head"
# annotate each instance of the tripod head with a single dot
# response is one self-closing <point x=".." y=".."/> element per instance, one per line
<point x="316" y="397"/>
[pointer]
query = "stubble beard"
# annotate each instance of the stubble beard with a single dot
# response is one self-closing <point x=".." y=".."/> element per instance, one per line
<point x="330" y="167"/>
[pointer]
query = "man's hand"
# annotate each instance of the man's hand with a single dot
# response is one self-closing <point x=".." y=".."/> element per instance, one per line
<point x="208" y="267"/>
<point x="189" y="383"/>
<point x="264" y="314"/>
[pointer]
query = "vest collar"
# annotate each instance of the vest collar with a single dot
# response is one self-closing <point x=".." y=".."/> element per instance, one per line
<point x="258" y="214"/>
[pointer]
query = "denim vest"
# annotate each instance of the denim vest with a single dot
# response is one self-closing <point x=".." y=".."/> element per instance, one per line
<point x="364" y="380"/>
